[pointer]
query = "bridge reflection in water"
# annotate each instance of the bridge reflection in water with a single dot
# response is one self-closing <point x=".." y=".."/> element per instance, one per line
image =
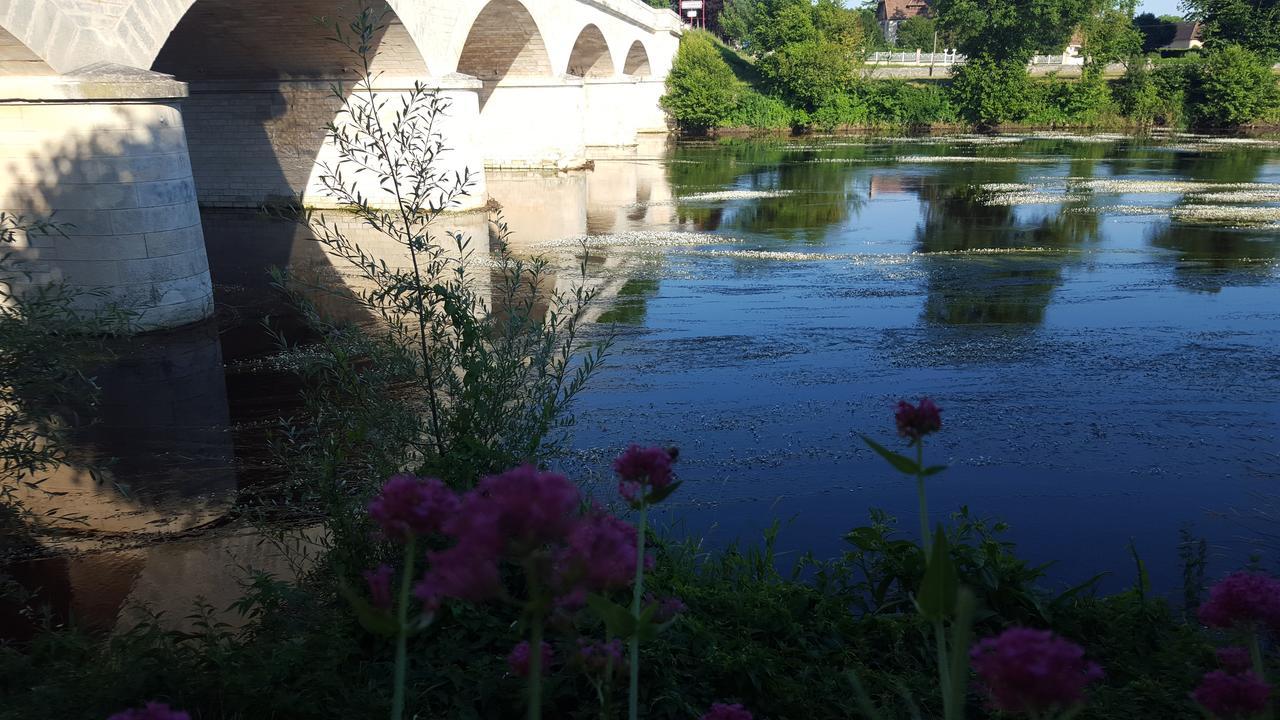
<point x="184" y="416"/>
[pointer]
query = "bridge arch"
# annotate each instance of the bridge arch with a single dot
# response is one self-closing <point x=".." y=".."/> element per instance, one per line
<point x="590" y="57"/>
<point x="637" y="62"/>
<point x="503" y="41"/>
<point x="16" y="58"/>
<point x="260" y="82"/>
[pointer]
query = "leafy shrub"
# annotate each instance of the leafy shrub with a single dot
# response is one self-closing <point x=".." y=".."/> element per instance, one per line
<point x="1061" y="101"/>
<point x="760" y="112"/>
<point x="987" y="92"/>
<point x="1137" y="95"/>
<point x="1232" y="86"/>
<point x="843" y="110"/>
<point x="809" y="73"/>
<point x="900" y="103"/>
<point x="702" y="90"/>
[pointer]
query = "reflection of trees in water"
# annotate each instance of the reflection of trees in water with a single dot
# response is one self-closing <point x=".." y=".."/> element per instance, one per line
<point x="1212" y="258"/>
<point x="1000" y="288"/>
<point x="819" y="194"/>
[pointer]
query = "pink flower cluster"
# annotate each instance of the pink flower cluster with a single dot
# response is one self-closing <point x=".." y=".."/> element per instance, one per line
<point x="1243" y="599"/>
<point x="410" y="505"/>
<point x="721" y="711"/>
<point x="1234" y="659"/>
<point x="668" y="607"/>
<point x="1229" y="696"/>
<point x="916" y="421"/>
<point x="518" y="659"/>
<point x="1032" y="671"/>
<point x="643" y="470"/>
<point x="151" y="711"/>
<point x="598" y="655"/>
<point x="507" y="516"/>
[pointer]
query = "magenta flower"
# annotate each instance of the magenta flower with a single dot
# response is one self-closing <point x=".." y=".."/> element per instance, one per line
<point x="1234" y="659"/>
<point x="721" y="711"/>
<point x="1232" y="696"/>
<point x="379" y="582"/>
<point x="598" y="655"/>
<point x="1033" y="671"/>
<point x="601" y="554"/>
<point x="518" y="659"/>
<point x="410" y="505"/>
<point x="1243" y="598"/>
<point x="466" y="571"/>
<point x="642" y="470"/>
<point x="151" y="711"/>
<point x="916" y="421"/>
<point x="668" y="607"/>
<point x="524" y="507"/>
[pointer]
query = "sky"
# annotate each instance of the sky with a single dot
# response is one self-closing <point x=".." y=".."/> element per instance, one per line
<point x="1159" y="7"/>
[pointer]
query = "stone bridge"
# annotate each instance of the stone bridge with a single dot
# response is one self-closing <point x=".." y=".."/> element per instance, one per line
<point x="122" y="117"/>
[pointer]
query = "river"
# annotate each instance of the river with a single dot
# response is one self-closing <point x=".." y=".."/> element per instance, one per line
<point x="1099" y="317"/>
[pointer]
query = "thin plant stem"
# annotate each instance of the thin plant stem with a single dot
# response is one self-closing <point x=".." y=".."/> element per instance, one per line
<point x="535" y="669"/>
<point x="924" y="503"/>
<point x="380" y="139"/>
<point x="944" y="674"/>
<point x="633" y="692"/>
<point x="1255" y="653"/>
<point x="402" y="632"/>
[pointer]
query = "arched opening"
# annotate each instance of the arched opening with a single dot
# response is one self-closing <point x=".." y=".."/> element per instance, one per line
<point x="590" y="56"/>
<point x="18" y="59"/>
<point x="637" y="62"/>
<point x="504" y="41"/>
<point x="261" y="91"/>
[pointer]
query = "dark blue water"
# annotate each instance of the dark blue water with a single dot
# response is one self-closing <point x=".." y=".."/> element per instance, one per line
<point x="1108" y="373"/>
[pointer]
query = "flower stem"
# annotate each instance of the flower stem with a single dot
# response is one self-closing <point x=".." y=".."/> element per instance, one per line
<point x="1255" y="653"/>
<point x="402" y="632"/>
<point x="944" y="673"/>
<point x="633" y="692"/>
<point x="924" y="503"/>
<point x="535" y="669"/>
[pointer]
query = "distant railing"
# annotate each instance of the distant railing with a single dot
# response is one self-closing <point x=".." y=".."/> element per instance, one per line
<point x="918" y="57"/>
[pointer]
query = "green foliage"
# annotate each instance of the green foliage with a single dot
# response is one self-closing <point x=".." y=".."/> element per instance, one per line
<point x="1231" y="86"/>
<point x="760" y="112"/>
<point x="1252" y="24"/>
<point x="1109" y="33"/>
<point x="843" y="110"/>
<point x="897" y="103"/>
<point x="1152" y="97"/>
<point x="1011" y="31"/>
<point x="1061" y="102"/>
<point x="702" y="90"/>
<point x="987" y="92"/>
<point x="917" y="33"/>
<point x="738" y="20"/>
<point x="808" y="73"/>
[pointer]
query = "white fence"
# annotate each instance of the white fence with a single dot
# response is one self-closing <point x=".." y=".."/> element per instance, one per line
<point x="920" y="57"/>
<point x="914" y="58"/>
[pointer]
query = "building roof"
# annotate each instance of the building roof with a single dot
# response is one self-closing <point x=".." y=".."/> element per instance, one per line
<point x="902" y="9"/>
<point x="1186" y="36"/>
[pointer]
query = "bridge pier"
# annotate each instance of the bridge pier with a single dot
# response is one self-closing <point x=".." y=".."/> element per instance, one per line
<point x="103" y="154"/>
<point x="533" y="122"/>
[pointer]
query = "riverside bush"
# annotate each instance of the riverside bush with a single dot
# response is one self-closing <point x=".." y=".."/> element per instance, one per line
<point x="760" y="112"/>
<point x="1231" y="86"/>
<point x="702" y="90"/>
<point x="987" y="92"/>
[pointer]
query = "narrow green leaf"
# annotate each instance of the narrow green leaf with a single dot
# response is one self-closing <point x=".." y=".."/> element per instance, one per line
<point x="663" y="493"/>
<point x="901" y="463"/>
<point x="933" y="470"/>
<point x="617" y="619"/>
<point x="937" y="596"/>
<point x="961" y="638"/>
<point x="376" y="620"/>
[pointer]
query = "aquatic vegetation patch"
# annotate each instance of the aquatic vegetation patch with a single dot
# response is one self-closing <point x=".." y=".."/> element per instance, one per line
<point x="773" y="255"/>
<point x="1238" y="196"/>
<point x="1120" y="186"/>
<point x="1029" y="198"/>
<point x="1238" y="214"/>
<point x="964" y="159"/>
<point x="637" y="239"/>
<point x="725" y="195"/>
<point x="1135" y="210"/>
